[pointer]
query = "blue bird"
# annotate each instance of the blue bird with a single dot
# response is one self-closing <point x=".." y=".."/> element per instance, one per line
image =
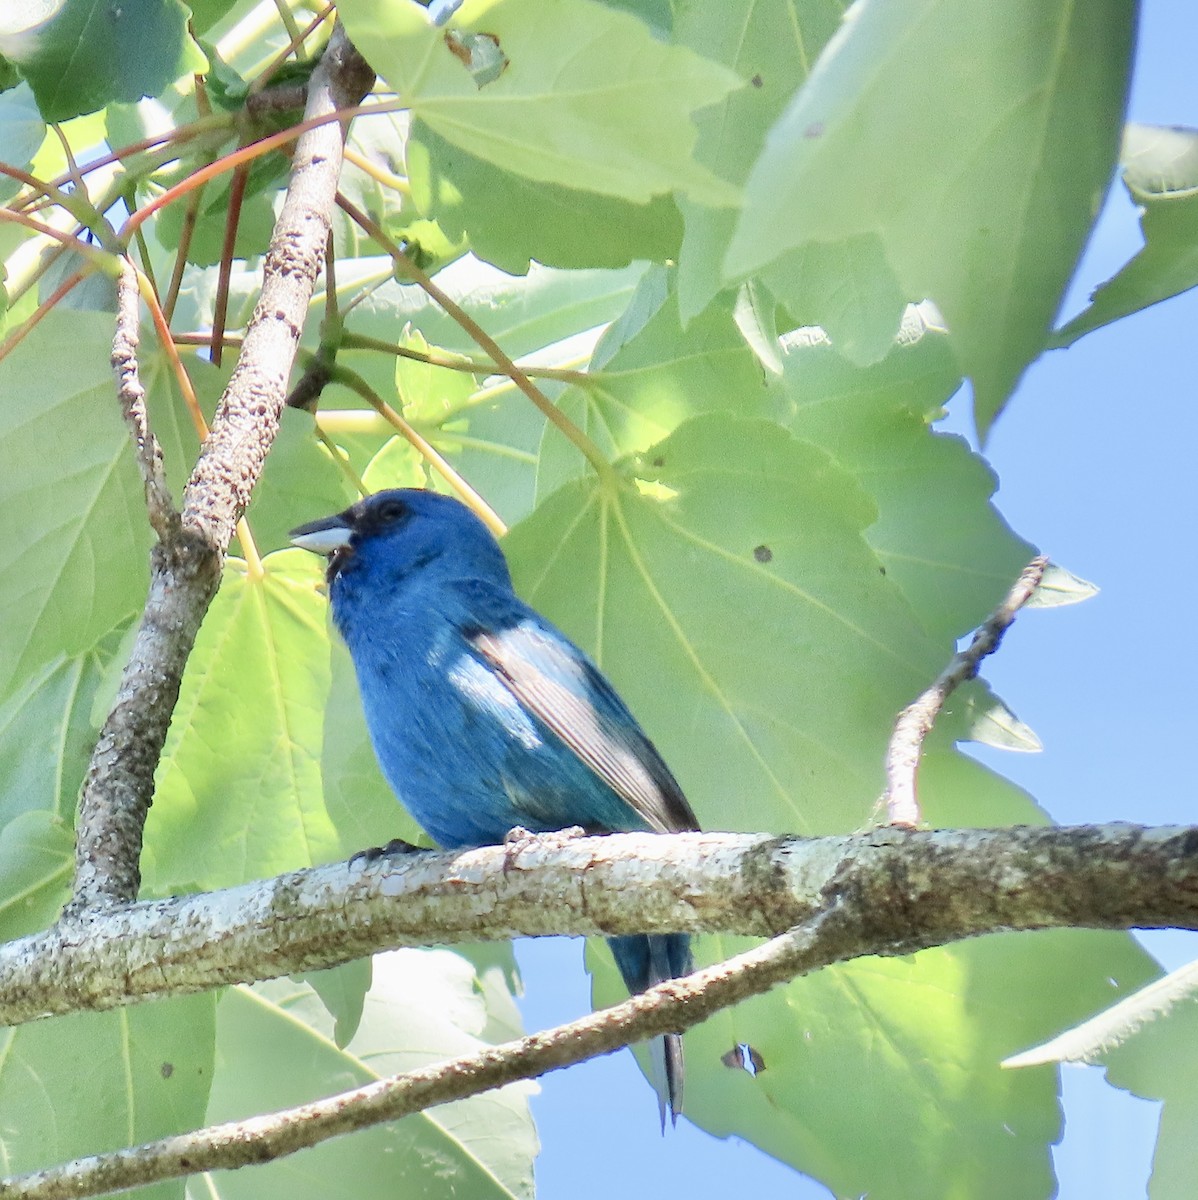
<point x="484" y="717"/>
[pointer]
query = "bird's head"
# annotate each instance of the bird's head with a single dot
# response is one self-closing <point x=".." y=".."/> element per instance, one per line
<point x="400" y="538"/>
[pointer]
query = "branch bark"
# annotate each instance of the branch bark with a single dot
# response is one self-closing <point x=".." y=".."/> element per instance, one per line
<point x="890" y="891"/>
<point x="915" y="722"/>
<point x="186" y="564"/>
<point x="899" y="890"/>
<point x="669" y="1007"/>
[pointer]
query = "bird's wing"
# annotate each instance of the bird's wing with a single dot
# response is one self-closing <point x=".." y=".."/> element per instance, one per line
<point x="563" y="689"/>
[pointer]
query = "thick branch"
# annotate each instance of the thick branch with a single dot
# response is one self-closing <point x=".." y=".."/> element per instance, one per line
<point x="899" y="890"/>
<point x="186" y="564"/>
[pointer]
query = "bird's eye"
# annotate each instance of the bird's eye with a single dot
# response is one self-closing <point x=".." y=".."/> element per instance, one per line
<point x="390" y="512"/>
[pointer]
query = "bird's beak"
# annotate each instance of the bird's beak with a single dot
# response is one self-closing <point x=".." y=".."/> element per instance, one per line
<point x="326" y="536"/>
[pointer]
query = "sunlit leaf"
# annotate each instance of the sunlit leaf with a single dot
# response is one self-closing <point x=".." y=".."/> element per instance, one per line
<point x="981" y="203"/>
<point x="82" y="1084"/>
<point x="238" y="790"/>
<point x="276" y="1050"/>
<point x="570" y="108"/>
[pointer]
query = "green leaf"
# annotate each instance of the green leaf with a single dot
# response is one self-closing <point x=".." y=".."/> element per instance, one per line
<point x="588" y="100"/>
<point x="427" y="393"/>
<point x="511" y="219"/>
<point x="92" y="1082"/>
<point x="773" y="44"/>
<point x="522" y="315"/>
<point x="648" y="375"/>
<point x="982" y="204"/>
<point x="788" y="713"/>
<point x="493" y="440"/>
<point x="1160" y="1062"/>
<point x="397" y="464"/>
<point x="74" y="544"/>
<point x="238" y="789"/>
<point x="846" y="1049"/>
<point x="937" y="535"/>
<point x="95" y="292"/>
<point x="342" y="991"/>
<point x="843" y="1050"/>
<point x="300" y="481"/>
<point x="37" y="857"/>
<point x="1112" y="1027"/>
<point x="255" y="218"/>
<point x="206" y="13"/>
<point x="424" y="1006"/>
<point x="47" y="733"/>
<point x="22" y="131"/>
<point x="846" y="288"/>
<point x="93" y="52"/>
<point x="1160" y="170"/>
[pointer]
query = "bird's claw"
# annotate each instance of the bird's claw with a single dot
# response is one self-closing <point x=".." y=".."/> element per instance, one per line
<point x="395" y="846"/>
<point x="519" y="839"/>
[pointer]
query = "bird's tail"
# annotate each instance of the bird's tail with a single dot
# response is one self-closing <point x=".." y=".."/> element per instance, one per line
<point x="643" y="962"/>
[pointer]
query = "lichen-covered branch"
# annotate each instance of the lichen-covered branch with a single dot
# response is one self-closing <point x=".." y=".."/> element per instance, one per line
<point x="164" y="517"/>
<point x="186" y="564"/>
<point x="890" y="891"/>
<point x="671" y="1007"/>
<point x="900" y="890"/>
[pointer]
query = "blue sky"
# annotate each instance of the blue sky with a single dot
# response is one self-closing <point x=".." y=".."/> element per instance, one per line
<point x="1096" y="457"/>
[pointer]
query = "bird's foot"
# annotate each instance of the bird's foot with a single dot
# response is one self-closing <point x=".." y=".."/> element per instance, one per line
<point x="394" y="847"/>
<point x="520" y="839"/>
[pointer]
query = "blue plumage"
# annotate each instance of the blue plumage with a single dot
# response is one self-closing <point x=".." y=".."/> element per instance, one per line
<point x="484" y="716"/>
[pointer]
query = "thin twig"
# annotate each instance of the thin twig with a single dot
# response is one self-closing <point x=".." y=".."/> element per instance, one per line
<point x="669" y="1007"/>
<point x="164" y="516"/>
<point x="425" y="448"/>
<point x="916" y="720"/>
<point x="519" y="377"/>
<point x="470" y="366"/>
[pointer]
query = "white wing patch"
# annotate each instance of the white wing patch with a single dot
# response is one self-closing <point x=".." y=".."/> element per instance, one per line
<point x="480" y="685"/>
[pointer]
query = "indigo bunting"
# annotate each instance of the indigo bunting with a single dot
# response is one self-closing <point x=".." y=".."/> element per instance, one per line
<point x="484" y="717"/>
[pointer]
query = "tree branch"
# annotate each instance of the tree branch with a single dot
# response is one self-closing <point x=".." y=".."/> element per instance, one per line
<point x="164" y="518"/>
<point x="890" y="891"/>
<point x="670" y="1007"/>
<point x="186" y="564"/>
<point x="900" y="890"/>
<point x="916" y="720"/>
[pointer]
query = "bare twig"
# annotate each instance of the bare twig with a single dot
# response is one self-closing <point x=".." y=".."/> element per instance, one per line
<point x="916" y="720"/>
<point x="488" y="344"/>
<point x="424" y="448"/>
<point x="186" y="568"/>
<point x="669" y="1007"/>
<point x="164" y="517"/>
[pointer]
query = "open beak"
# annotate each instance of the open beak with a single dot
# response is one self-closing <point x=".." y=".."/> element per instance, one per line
<point x="330" y="536"/>
<point x="326" y="536"/>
